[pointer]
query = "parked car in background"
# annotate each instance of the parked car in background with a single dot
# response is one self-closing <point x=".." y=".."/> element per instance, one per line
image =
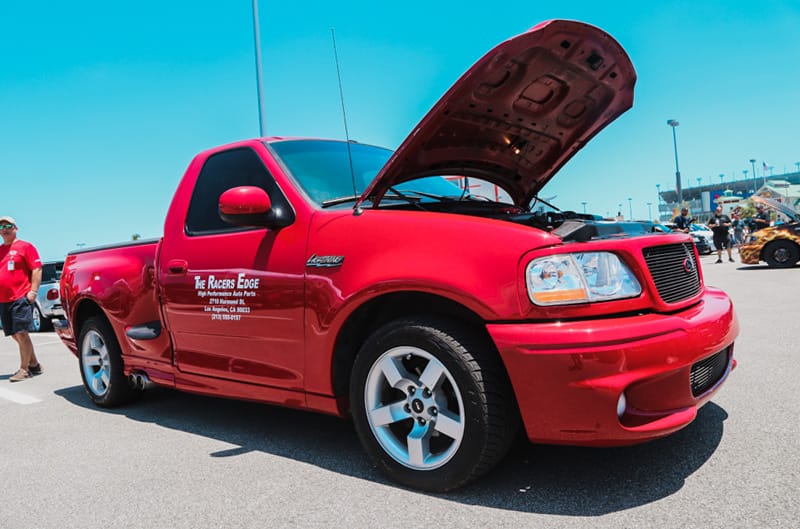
<point x="779" y="245"/>
<point x="48" y="301"/>
<point x="701" y="231"/>
<point x="701" y="241"/>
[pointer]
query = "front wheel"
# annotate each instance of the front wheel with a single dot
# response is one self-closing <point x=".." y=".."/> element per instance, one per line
<point x="431" y="403"/>
<point x="40" y="323"/>
<point x="36" y="319"/>
<point x="102" y="369"/>
<point x="781" y="254"/>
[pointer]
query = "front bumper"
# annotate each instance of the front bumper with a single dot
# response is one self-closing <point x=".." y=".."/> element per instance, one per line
<point x="53" y="312"/>
<point x="568" y="376"/>
<point x="750" y="253"/>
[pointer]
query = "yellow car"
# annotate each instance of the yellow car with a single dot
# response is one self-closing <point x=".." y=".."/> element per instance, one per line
<point x="779" y="245"/>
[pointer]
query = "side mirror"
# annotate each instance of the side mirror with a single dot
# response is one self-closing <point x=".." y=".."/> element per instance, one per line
<point x="246" y="206"/>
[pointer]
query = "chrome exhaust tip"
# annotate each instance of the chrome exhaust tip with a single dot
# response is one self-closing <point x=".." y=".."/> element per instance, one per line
<point x="140" y="381"/>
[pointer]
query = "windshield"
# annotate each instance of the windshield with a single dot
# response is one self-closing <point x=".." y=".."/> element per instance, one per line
<point x="322" y="169"/>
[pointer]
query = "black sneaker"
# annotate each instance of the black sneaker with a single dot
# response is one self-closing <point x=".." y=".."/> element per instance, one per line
<point x="730" y="259"/>
<point x="35" y="369"/>
<point x="718" y="261"/>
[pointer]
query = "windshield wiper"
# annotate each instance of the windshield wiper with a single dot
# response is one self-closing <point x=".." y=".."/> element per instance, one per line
<point x="403" y="195"/>
<point x="536" y="199"/>
<point x="340" y="200"/>
<point x="440" y="198"/>
<point x="343" y="200"/>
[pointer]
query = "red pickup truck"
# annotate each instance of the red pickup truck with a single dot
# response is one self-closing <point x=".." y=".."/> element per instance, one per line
<point x="351" y="280"/>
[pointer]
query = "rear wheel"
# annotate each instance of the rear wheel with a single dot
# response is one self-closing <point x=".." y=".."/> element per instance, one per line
<point x="431" y="403"/>
<point x="781" y="254"/>
<point x="102" y="369"/>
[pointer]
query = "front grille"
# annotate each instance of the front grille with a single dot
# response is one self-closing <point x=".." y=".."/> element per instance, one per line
<point x="674" y="270"/>
<point x="707" y="372"/>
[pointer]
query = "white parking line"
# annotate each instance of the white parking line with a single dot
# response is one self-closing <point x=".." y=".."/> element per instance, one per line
<point x="15" y="396"/>
<point x="50" y="342"/>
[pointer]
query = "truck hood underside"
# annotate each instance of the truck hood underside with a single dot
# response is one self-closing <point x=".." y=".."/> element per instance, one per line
<point x="520" y="112"/>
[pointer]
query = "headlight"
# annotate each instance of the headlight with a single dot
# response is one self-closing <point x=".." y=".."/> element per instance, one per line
<point x="579" y="278"/>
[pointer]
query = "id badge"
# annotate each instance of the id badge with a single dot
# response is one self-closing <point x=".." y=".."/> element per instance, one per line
<point x="10" y="265"/>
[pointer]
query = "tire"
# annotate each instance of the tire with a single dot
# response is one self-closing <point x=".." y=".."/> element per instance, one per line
<point x="431" y="403"/>
<point x="101" y="365"/>
<point x="46" y="324"/>
<point x="781" y="254"/>
<point x="36" y="325"/>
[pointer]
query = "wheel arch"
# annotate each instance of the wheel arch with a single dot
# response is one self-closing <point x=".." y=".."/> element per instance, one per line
<point x="104" y="381"/>
<point x="382" y="309"/>
<point x="86" y="309"/>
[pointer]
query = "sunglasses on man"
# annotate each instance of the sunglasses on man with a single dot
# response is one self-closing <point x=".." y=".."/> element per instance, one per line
<point x="6" y="226"/>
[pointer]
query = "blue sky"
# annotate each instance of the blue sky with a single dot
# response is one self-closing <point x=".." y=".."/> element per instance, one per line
<point x="105" y="103"/>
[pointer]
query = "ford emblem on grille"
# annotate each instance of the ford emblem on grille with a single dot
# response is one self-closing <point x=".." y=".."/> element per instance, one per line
<point x="688" y="265"/>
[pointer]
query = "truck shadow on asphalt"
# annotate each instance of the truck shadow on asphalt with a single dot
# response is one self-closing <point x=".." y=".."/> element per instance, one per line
<point x="567" y="481"/>
<point x="762" y="268"/>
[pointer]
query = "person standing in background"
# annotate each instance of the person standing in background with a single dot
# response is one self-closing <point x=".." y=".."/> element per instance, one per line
<point x="20" y="277"/>
<point x="761" y="218"/>
<point x="682" y="221"/>
<point x="738" y="229"/>
<point x="720" y="224"/>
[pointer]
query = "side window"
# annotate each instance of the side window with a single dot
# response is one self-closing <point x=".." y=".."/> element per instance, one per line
<point x="222" y="171"/>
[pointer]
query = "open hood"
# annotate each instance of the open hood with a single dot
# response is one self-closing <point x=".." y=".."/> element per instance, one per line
<point x="520" y="112"/>
<point x="780" y="207"/>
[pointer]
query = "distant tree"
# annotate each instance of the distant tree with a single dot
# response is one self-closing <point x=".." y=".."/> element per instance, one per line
<point x="135" y="237"/>
<point x="747" y="209"/>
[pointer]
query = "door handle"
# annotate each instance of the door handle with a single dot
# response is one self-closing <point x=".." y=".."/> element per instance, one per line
<point x="177" y="266"/>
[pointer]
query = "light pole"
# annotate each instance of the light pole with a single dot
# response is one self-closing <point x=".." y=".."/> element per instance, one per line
<point x="619" y="209"/>
<point x="262" y="127"/>
<point x="753" y="165"/>
<point x="584" y="206"/>
<point x="630" y="209"/>
<point x="699" y="179"/>
<point x="649" y="211"/>
<point x="674" y="123"/>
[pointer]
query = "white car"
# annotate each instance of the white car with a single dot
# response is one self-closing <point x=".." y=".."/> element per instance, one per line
<point x="703" y="231"/>
<point x="48" y="300"/>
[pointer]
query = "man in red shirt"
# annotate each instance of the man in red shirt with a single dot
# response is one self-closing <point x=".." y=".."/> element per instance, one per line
<point x="20" y="276"/>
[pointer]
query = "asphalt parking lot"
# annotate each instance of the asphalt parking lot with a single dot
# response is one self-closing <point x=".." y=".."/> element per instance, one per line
<point x="178" y="460"/>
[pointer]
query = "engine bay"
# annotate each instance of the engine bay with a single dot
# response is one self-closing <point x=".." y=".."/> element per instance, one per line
<point x="569" y="225"/>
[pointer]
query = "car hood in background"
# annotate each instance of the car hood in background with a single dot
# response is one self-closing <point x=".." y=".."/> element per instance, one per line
<point x="780" y="207"/>
<point x="517" y="115"/>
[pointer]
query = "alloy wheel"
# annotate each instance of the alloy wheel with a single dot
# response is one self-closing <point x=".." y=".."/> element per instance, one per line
<point x="95" y="363"/>
<point x="414" y="408"/>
